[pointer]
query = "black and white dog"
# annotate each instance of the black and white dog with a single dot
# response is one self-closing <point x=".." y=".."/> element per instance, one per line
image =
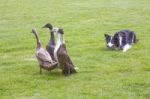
<point x="122" y="39"/>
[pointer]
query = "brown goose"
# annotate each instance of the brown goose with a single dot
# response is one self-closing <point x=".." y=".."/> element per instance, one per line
<point x="51" y="44"/>
<point x="43" y="57"/>
<point x="60" y="54"/>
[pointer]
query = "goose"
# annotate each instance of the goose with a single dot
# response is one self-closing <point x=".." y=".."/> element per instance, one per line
<point x="44" y="59"/>
<point x="51" y="44"/>
<point x="60" y="54"/>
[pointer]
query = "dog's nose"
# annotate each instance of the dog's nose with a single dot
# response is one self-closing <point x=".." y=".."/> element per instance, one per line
<point x="107" y="46"/>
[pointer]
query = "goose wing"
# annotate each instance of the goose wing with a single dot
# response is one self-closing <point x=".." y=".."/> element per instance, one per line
<point x="43" y="55"/>
<point x="64" y="55"/>
<point x="67" y="56"/>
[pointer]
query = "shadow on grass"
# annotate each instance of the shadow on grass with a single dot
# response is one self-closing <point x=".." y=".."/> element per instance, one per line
<point x="107" y="50"/>
<point x="55" y="73"/>
<point x="86" y="71"/>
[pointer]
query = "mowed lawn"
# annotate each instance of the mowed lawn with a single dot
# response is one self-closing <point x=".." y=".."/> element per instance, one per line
<point x="102" y="74"/>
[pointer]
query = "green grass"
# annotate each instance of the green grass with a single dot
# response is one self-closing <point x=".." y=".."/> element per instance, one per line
<point x="103" y="74"/>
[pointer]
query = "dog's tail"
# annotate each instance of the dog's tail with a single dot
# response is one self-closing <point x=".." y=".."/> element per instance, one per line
<point x="135" y="40"/>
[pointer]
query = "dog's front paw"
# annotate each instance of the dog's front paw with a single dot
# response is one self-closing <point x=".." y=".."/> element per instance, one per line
<point x="126" y="47"/>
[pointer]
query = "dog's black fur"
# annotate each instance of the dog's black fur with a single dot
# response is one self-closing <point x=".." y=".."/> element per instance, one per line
<point x="121" y="39"/>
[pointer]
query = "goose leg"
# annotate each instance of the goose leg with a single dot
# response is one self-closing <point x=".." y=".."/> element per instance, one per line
<point x="68" y="69"/>
<point x="64" y="71"/>
<point x="50" y="72"/>
<point x="40" y="70"/>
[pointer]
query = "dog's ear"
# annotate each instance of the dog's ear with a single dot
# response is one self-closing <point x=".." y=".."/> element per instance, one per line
<point x="106" y="35"/>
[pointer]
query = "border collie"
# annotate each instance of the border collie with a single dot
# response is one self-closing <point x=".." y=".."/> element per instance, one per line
<point x="123" y="40"/>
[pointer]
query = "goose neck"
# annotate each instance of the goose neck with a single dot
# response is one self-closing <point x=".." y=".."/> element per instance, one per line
<point x="52" y="39"/>
<point x="63" y="39"/>
<point x="37" y="40"/>
<point x="58" y="39"/>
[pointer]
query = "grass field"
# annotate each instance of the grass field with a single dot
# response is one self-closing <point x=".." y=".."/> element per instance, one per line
<point x="103" y="74"/>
